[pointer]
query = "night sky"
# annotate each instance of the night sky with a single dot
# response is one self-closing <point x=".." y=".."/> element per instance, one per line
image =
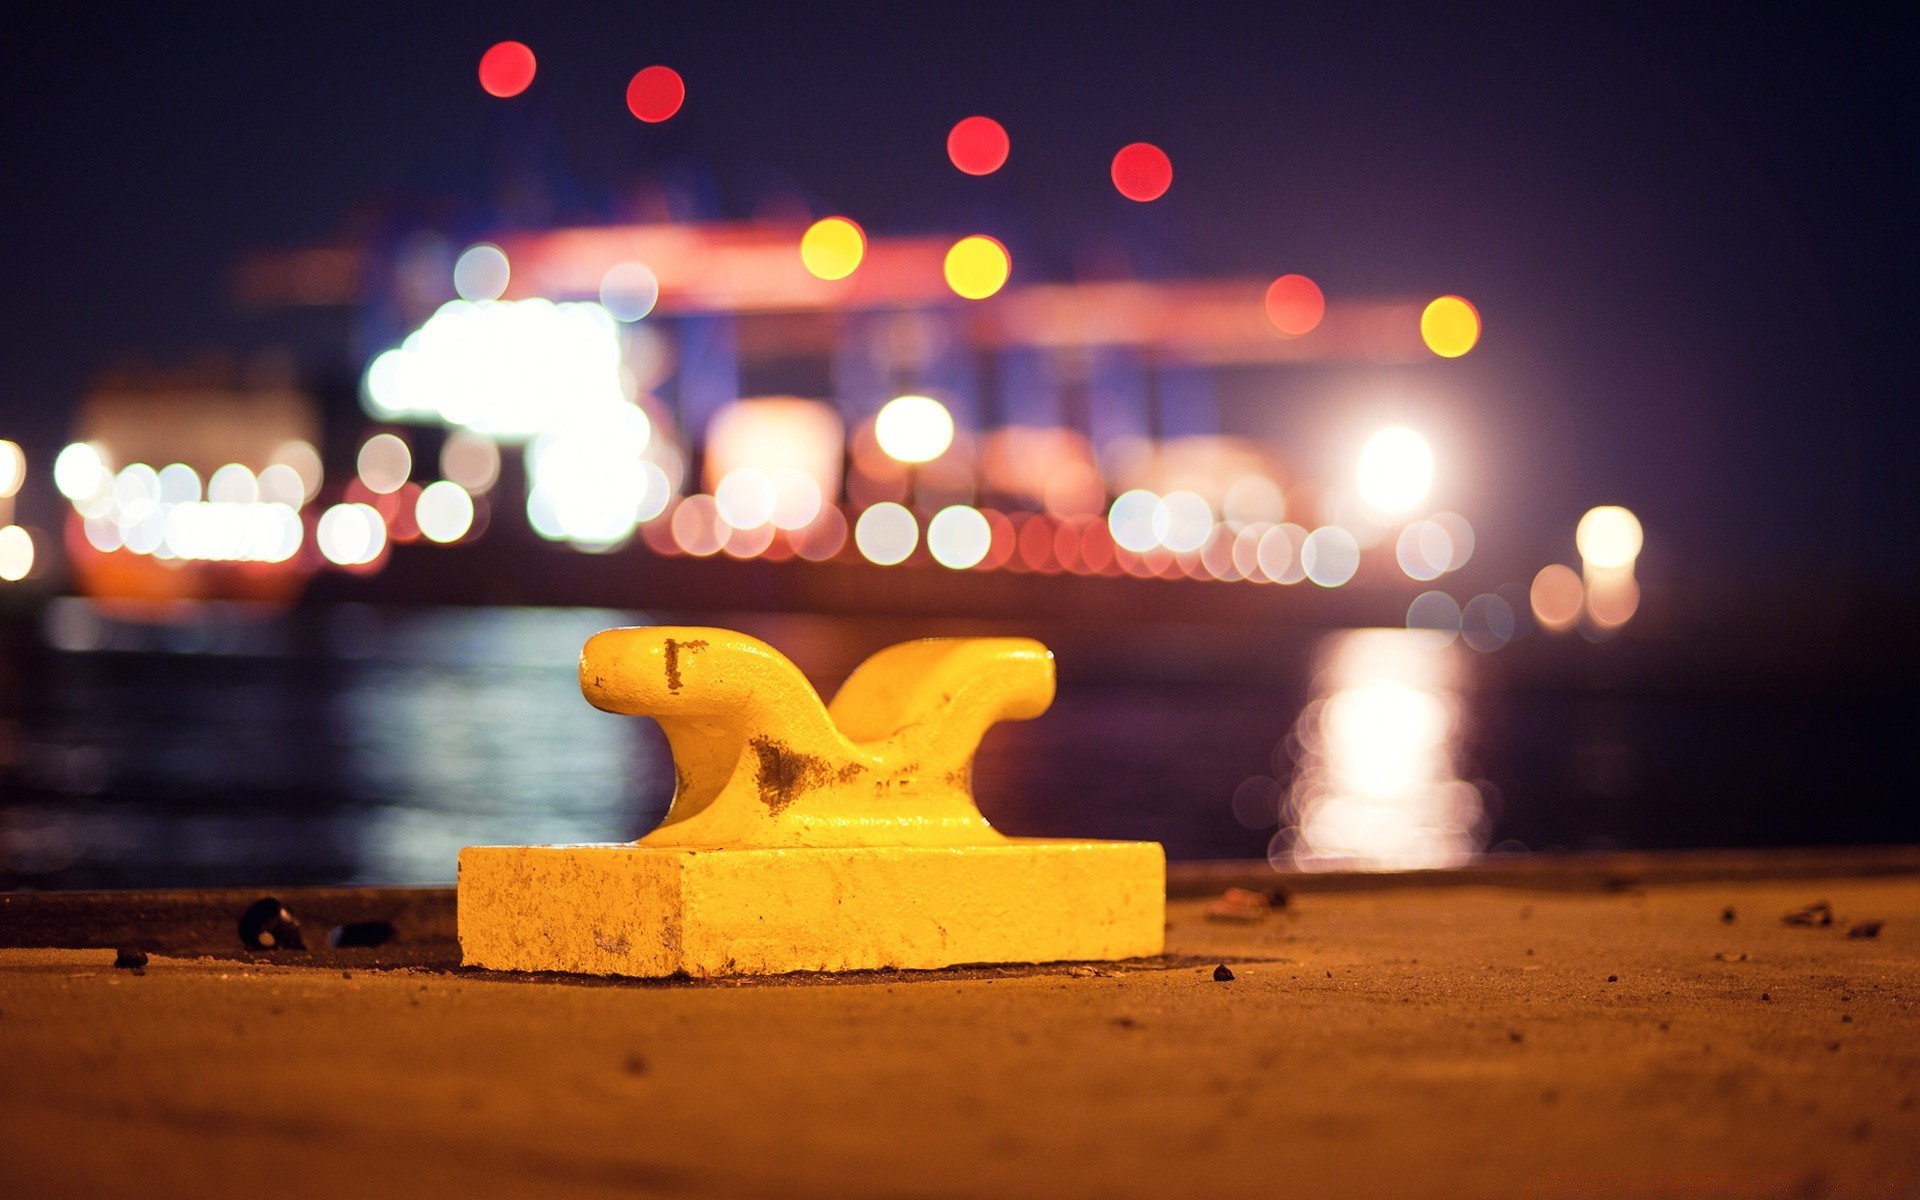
<point x="1690" y="231"/>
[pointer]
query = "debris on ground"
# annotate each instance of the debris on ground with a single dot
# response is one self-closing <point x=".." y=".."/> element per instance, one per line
<point x="270" y="925"/>
<point x="1865" y="929"/>
<point x="1613" y="979"/>
<point x="1732" y="956"/>
<point x="129" y="959"/>
<point x="1729" y="915"/>
<point x="1240" y="904"/>
<point x="1221" y="974"/>
<point x="1819" y="913"/>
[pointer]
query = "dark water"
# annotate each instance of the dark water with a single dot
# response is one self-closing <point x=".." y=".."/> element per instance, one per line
<point x="367" y="745"/>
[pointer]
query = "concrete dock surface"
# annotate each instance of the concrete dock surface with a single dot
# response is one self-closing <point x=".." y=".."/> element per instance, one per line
<point x="1649" y="1039"/>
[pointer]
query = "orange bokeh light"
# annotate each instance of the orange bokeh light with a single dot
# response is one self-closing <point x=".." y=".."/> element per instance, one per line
<point x="978" y="145"/>
<point x="1142" y="171"/>
<point x="506" y="69"/>
<point x="655" y="94"/>
<point x="1295" y="305"/>
<point x="1450" y="326"/>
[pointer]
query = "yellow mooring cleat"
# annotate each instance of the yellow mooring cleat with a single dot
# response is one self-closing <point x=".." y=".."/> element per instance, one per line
<point x="811" y="837"/>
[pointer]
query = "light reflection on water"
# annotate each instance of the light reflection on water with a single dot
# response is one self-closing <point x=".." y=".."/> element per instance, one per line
<point x="1375" y="784"/>
<point x="367" y="747"/>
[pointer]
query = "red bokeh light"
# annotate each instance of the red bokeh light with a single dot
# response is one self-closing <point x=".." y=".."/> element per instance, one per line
<point x="978" y="145"/>
<point x="655" y="94"/>
<point x="1295" y="304"/>
<point x="506" y="69"/>
<point x="1142" y="171"/>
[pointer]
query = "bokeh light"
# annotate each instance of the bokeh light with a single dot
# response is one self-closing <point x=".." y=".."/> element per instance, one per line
<point x="832" y="247"/>
<point x="1330" y="556"/>
<point x="1278" y="554"/>
<point x="385" y="463"/>
<point x="1187" y="521"/>
<point x="914" y="429"/>
<point x="506" y="69"/>
<point x="305" y="461"/>
<point x="629" y="290"/>
<point x="1450" y="326"/>
<point x="471" y="460"/>
<point x="1487" y="623"/>
<point x="886" y="534"/>
<point x="278" y="484"/>
<point x="81" y="472"/>
<point x="481" y="272"/>
<point x="977" y="266"/>
<point x="351" y="535"/>
<point x="1556" y="596"/>
<point x="1608" y="537"/>
<point x="16" y="553"/>
<point x="745" y="498"/>
<point x="1136" y="520"/>
<point x="1396" y="469"/>
<point x="444" y="511"/>
<point x="978" y="145"/>
<point x="1142" y="171"/>
<point x="959" y="537"/>
<point x="655" y="93"/>
<point x="1424" y="550"/>
<point x="1295" y="305"/>
<point x="13" y="468"/>
<point x="1436" y="613"/>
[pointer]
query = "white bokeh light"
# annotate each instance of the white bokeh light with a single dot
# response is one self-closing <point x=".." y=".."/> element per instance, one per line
<point x="886" y="534"/>
<point x="914" y="429"/>
<point x="1396" y="470"/>
<point x="959" y="537"/>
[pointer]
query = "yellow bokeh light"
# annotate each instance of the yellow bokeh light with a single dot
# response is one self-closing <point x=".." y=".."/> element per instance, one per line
<point x="1450" y="326"/>
<point x="1608" y="537"/>
<point x="832" y="247"/>
<point x="977" y="267"/>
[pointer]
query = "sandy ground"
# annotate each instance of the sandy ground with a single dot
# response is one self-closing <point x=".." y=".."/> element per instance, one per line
<point x="1456" y="1042"/>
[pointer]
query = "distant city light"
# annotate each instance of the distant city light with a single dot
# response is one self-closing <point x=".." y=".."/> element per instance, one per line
<point x="959" y="537"/>
<point x="1436" y="613"/>
<point x="886" y="534"/>
<point x="977" y="266"/>
<point x="179" y="484"/>
<point x="832" y="247"/>
<point x="481" y="272"/>
<point x="589" y="480"/>
<point x="1396" y="470"/>
<point x="1450" y="326"/>
<point x="1278" y="554"/>
<point x="234" y="484"/>
<point x="1487" y="623"/>
<point x="444" y="511"/>
<point x="80" y="472"/>
<point x="629" y="291"/>
<point x="471" y="460"/>
<point x="16" y="553"/>
<point x="351" y="535"/>
<point x="745" y="498"/>
<point x="655" y="94"/>
<point x="1330" y="556"/>
<point x="1295" y="305"/>
<point x="1424" y="550"/>
<point x="385" y="463"/>
<point x="1608" y="537"/>
<point x="13" y="468"/>
<point x="796" y="499"/>
<point x="1556" y="596"/>
<point x="978" y="145"/>
<point x="278" y="484"/>
<point x="305" y="462"/>
<point x="913" y="429"/>
<point x="1188" y="521"/>
<point x="1142" y="172"/>
<point x="511" y="369"/>
<point x="506" y="69"/>
<point x="1137" y="520"/>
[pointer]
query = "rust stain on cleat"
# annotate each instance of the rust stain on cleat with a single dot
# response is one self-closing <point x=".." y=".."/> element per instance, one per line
<point x="811" y="836"/>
